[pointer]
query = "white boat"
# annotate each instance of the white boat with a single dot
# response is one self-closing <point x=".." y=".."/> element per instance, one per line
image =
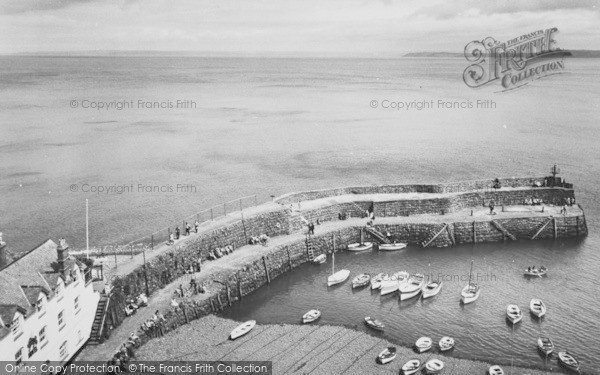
<point x="471" y="292"/>
<point x="411" y="367"/>
<point x="320" y="259"/>
<point x="537" y="307"/>
<point x="394" y="282"/>
<point x="434" y="366"/>
<point x="374" y="323"/>
<point x="337" y="277"/>
<point x="377" y="279"/>
<point x="423" y="344"/>
<point x="311" y="316"/>
<point x="535" y="271"/>
<point x="392" y="246"/>
<point x="495" y="370"/>
<point x="567" y="360"/>
<point x="412" y="288"/>
<point x="514" y="314"/>
<point x="242" y="329"/>
<point x="545" y="345"/>
<point x="432" y="288"/>
<point x="362" y="246"/>
<point x="446" y="343"/>
<point x="361" y="280"/>
<point x="387" y="355"/>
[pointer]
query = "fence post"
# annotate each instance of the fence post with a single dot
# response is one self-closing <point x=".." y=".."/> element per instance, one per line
<point x="211" y="214"/>
<point x="131" y="250"/>
<point x="115" y="256"/>
<point x="255" y="200"/>
<point x="225" y="209"/>
<point x="241" y="204"/>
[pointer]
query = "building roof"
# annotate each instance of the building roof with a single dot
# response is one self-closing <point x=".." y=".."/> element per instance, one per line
<point x="24" y="279"/>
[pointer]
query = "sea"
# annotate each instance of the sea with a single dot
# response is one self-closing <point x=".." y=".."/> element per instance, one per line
<point x="149" y="141"/>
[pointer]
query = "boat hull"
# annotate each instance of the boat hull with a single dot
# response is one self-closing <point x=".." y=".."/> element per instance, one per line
<point x="428" y="293"/>
<point x="411" y="367"/>
<point x="338" y="277"/>
<point x="434" y="366"/>
<point x="361" y="280"/>
<point x="242" y="329"/>
<point x="360" y="247"/>
<point x="467" y="298"/>
<point x="311" y="316"/>
<point x="392" y="247"/>
<point x="320" y="259"/>
<point x="405" y="296"/>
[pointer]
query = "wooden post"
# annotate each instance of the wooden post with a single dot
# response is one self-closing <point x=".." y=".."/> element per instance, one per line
<point x="239" y="284"/>
<point x="225" y="209"/>
<point x="266" y="270"/>
<point x="287" y="249"/>
<point x="333" y="245"/>
<point x="577" y="224"/>
<point x="255" y="200"/>
<point x="555" y="228"/>
<point x="228" y="295"/>
<point x="212" y="305"/>
<point x="131" y="250"/>
<point x="241" y="204"/>
<point x="219" y="299"/>
<point x="474" y="233"/>
<point x="115" y="249"/>
<point x="211" y="214"/>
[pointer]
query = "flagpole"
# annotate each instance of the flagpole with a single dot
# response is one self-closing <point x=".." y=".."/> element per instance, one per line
<point x="87" y="230"/>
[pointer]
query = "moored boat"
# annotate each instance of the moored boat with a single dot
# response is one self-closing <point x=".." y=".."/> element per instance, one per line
<point x="537" y="307"/>
<point x="320" y="259"/>
<point x="568" y="361"/>
<point x="412" y="287"/>
<point x="393" y="282"/>
<point x="387" y="355"/>
<point x="311" y="316"/>
<point x="432" y="288"/>
<point x="514" y="314"/>
<point x="411" y="367"/>
<point x="495" y="370"/>
<point x="532" y="271"/>
<point x="545" y="345"/>
<point x="374" y="323"/>
<point x="434" y="366"/>
<point x="242" y="329"/>
<point x="446" y="343"/>
<point x="361" y="280"/>
<point x="392" y="246"/>
<point x="360" y="246"/>
<point x="337" y="277"/>
<point x="423" y="344"/>
<point x="378" y="279"/>
<point x="470" y="293"/>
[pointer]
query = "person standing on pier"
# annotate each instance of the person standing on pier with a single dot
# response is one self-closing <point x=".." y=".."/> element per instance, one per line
<point x="492" y="205"/>
<point x="196" y="225"/>
<point x="187" y="228"/>
<point x="177" y="232"/>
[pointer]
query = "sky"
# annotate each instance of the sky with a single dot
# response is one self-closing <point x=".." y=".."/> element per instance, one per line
<point x="327" y="27"/>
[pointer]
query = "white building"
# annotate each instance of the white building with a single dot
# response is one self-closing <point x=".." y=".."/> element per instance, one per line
<point x="47" y="306"/>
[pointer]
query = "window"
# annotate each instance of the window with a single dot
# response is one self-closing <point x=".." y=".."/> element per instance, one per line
<point x="76" y="304"/>
<point x="19" y="356"/>
<point x="41" y="306"/>
<point x="16" y="326"/>
<point x="61" y="319"/>
<point x="59" y="289"/>
<point x="43" y="335"/>
<point x="63" y="350"/>
<point x="32" y="346"/>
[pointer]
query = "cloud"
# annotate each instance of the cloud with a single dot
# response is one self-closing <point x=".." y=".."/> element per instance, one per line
<point x="22" y="6"/>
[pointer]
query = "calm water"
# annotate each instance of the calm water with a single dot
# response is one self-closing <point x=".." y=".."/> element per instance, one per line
<point x="270" y="126"/>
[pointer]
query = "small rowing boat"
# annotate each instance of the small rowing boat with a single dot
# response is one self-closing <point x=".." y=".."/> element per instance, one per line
<point x="387" y="355"/>
<point x="378" y="279"/>
<point x="363" y="246"/>
<point x="532" y="271"/>
<point x="513" y="314"/>
<point x="432" y="288"/>
<point x="391" y="246"/>
<point x="423" y="344"/>
<point x="242" y="329"/>
<point x="320" y="259"/>
<point x="537" y="307"/>
<point x="336" y="277"/>
<point x="545" y="345"/>
<point x="568" y="361"/>
<point x="446" y="343"/>
<point x="361" y="280"/>
<point x="434" y="366"/>
<point x="411" y="367"/>
<point x="374" y="323"/>
<point x="393" y="282"/>
<point x="311" y="316"/>
<point x="495" y="370"/>
<point x="412" y="287"/>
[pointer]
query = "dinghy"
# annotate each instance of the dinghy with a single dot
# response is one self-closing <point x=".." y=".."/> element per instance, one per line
<point x="434" y="366"/>
<point x="387" y="355"/>
<point x="336" y="277"/>
<point x="423" y="344"/>
<point x="446" y="343"/>
<point x="514" y="314"/>
<point x="432" y="288"/>
<point x="412" y="288"/>
<point x="378" y="279"/>
<point x="363" y="246"/>
<point x="536" y="272"/>
<point x="374" y="323"/>
<point x="320" y="259"/>
<point x="242" y="329"/>
<point x="311" y="316"/>
<point x="411" y="367"/>
<point x="361" y="280"/>
<point x="495" y="370"/>
<point x="391" y="246"/>
<point x="545" y="345"/>
<point x="567" y="360"/>
<point x="470" y="293"/>
<point x="394" y="282"/>
<point x="537" y="307"/>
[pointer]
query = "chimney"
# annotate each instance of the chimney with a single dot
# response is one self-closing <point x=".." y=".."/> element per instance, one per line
<point x="62" y="252"/>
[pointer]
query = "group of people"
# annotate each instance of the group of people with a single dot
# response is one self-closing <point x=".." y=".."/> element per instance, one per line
<point x="534" y="201"/>
<point x="220" y="252"/>
<point x="263" y="239"/>
<point x="134" y="304"/>
<point x="188" y="228"/>
<point x="533" y="269"/>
